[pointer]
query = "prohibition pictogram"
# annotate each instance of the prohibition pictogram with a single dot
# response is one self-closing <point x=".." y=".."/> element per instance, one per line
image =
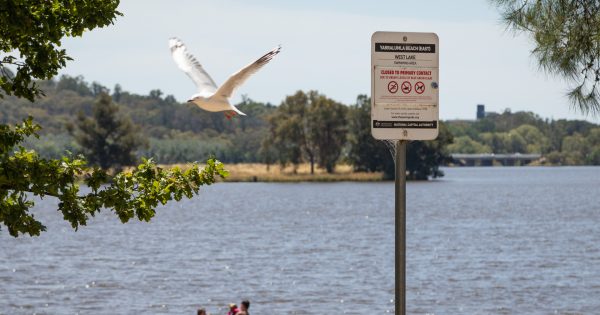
<point x="406" y="87"/>
<point x="419" y="87"/>
<point x="393" y="87"/>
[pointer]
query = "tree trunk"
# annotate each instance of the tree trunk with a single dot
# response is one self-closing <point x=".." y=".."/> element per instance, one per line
<point x="330" y="167"/>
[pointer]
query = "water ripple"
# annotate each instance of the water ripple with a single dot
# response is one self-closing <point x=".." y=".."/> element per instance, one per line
<point x="480" y="241"/>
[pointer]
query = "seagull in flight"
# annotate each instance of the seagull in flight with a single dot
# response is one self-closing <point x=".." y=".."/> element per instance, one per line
<point x="210" y="97"/>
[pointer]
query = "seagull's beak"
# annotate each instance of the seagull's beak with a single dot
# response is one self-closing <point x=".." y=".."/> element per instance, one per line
<point x="190" y="100"/>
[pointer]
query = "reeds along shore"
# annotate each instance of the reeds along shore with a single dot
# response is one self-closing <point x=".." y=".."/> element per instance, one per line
<point x="256" y="172"/>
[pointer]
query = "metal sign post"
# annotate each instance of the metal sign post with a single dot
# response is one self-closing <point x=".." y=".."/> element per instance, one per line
<point x="404" y="106"/>
<point x="401" y="227"/>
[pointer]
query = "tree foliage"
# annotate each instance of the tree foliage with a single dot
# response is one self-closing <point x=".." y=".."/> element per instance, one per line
<point x="561" y="142"/>
<point x="423" y="158"/>
<point x="327" y="126"/>
<point x="308" y="125"/>
<point x="366" y="153"/>
<point x="465" y="144"/>
<point x="34" y="30"/>
<point x="287" y="131"/>
<point x="31" y="33"/>
<point x="129" y="194"/>
<point x="177" y="132"/>
<point x="107" y="139"/>
<point x="567" y="41"/>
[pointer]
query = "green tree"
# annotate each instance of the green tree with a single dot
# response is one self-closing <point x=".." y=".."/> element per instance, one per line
<point x="291" y="128"/>
<point x="33" y="30"/>
<point x="288" y="127"/>
<point x="311" y="126"/>
<point x="535" y="140"/>
<point x="98" y="89"/>
<point x="156" y="94"/>
<point x="593" y="142"/>
<point x="424" y="158"/>
<point x="366" y="153"/>
<point x="496" y="141"/>
<point x="575" y="149"/>
<point x="117" y="91"/>
<point x="563" y="127"/>
<point x="594" y="158"/>
<point x="593" y="137"/>
<point x="565" y="33"/>
<point x="465" y="144"/>
<point x="106" y="139"/>
<point x="326" y="129"/>
<point x="514" y="142"/>
<point x="266" y="152"/>
<point x="76" y="84"/>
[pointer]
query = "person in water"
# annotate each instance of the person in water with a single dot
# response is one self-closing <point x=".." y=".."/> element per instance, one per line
<point x="233" y="309"/>
<point x="244" y="308"/>
<point x="202" y="311"/>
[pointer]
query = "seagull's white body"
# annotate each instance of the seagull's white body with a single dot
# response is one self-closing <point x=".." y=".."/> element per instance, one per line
<point x="210" y="97"/>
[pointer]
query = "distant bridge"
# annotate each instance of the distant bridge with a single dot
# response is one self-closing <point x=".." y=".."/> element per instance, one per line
<point x="489" y="159"/>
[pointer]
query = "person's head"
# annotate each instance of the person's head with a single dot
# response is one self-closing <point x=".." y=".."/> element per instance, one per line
<point x="201" y="311"/>
<point x="232" y="306"/>
<point x="245" y="305"/>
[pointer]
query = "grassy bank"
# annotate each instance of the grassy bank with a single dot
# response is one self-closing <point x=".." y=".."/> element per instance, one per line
<point x="259" y="172"/>
<point x="255" y="172"/>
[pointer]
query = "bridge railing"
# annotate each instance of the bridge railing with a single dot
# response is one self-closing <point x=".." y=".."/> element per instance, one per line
<point x="488" y="159"/>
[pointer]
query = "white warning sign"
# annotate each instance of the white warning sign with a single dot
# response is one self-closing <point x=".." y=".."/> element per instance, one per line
<point x="408" y="85"/>
<point x="404" y="85"/>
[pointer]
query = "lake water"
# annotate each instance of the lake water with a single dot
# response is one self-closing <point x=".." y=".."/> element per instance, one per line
<point x="480" y="241"/>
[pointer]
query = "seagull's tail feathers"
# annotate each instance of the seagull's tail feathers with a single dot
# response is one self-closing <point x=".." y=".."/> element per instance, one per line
<point x="239" y="112"/>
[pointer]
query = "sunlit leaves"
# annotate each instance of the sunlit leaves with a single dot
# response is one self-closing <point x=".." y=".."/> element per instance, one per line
<point x="308" y="124"/>
<point x="31" y="33"/>
<point x="134" y="194"/>
<point x="30" y="37"/>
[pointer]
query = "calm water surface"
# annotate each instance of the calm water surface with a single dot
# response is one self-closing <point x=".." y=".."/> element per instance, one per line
<point x="480" y="241"/>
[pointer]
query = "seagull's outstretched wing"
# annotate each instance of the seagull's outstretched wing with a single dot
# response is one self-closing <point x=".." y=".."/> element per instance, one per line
<point x="239" y="77"/>
<point x="186" y="62"/>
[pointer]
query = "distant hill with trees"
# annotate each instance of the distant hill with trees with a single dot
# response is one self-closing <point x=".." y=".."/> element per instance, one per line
<point x="561" y="142"/>
<point x="306" y="127"/>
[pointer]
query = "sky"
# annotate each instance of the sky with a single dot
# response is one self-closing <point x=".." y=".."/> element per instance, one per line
<point x="325" y="47"/>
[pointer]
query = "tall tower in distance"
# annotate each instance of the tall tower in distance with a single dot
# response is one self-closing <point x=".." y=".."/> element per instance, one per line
<point x="480" y="111"/>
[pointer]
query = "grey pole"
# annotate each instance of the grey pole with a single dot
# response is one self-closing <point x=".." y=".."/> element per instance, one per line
<point x="401" y="227"/>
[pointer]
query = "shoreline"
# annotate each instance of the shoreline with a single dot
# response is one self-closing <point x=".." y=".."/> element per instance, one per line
<point x="258" y="172"/>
